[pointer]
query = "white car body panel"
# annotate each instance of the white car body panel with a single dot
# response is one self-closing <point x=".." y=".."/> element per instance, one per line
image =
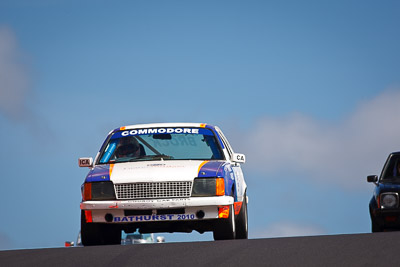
<point x="160" y="171"/>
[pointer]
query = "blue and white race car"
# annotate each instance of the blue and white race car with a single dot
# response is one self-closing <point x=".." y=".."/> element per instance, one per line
<point x="164" y="177"/>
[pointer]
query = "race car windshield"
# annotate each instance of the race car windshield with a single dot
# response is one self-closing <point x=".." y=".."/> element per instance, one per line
<point x="161" y="144"/>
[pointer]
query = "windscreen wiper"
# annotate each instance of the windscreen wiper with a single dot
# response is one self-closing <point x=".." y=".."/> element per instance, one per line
<point x="155" y="151"/>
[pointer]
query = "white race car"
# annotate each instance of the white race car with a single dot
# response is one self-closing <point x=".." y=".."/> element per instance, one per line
<point x="164" y="177"/>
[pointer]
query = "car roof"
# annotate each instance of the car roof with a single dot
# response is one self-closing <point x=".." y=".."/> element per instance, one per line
<point x="164" y="125"/>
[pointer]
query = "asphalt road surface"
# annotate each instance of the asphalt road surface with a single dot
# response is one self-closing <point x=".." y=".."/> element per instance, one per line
<point x="336" y="250"/>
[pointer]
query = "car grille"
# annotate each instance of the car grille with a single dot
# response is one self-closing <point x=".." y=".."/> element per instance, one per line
<point x="153" y="190"/>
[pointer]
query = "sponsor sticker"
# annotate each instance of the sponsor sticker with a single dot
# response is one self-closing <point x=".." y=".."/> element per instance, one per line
<point x="147" y="131"/>
<point x="149" y="218"/>
<point x="161" y="131"/>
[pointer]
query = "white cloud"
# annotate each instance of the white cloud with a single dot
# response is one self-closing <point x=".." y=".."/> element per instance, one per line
<point x="287" y="229"/>
<point x="14" y="82"/>
<point x="342" y="153"/>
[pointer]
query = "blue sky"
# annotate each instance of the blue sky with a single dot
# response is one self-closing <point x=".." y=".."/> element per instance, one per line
<point x="308" y="90"/>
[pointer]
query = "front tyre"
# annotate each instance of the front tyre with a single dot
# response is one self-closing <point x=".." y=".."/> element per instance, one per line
<point x="225" y="228"/>
<point x="242" y="221"/>
<point x="375" y="228"/>
<point x="95" y="234"/>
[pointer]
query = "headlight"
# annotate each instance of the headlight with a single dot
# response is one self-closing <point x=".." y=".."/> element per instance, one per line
<point x="205" y="187"/>
<point x="389" y="200"/>
<point x="98" y="191"/>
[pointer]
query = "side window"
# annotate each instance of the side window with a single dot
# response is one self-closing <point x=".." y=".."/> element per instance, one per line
<point x="392" y="168"/>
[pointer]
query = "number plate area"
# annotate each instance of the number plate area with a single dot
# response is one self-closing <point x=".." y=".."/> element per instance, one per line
<point x="192" y="213"/>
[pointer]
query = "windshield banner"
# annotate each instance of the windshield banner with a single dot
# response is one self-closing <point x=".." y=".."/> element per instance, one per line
<point x="149" y="131"/>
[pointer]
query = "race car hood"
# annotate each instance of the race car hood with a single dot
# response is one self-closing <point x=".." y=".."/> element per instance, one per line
<point x="155" y="171"/>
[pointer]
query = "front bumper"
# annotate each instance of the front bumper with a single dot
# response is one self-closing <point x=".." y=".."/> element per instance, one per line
<point x="386" y="217"/>
<point x="155" y="210"/>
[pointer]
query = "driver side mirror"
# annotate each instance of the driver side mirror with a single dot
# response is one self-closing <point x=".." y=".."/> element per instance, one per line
<point x="86" y="162"/>
<point x="372" y="179"/>
<point x="239" y="158"/>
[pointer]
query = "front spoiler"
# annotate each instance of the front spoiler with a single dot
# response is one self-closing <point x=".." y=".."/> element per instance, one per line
<point x="157" y="203"/>
<point x="115" y="211"/>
